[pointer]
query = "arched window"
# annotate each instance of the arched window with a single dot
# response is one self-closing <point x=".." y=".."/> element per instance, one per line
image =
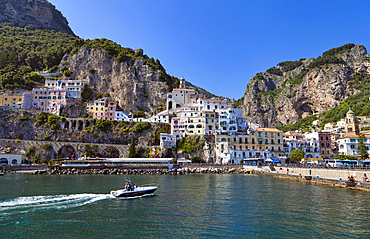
<point x="14" y="161"/>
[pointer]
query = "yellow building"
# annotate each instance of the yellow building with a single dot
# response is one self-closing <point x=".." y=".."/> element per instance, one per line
<point x="270" y="139"/>
<point x="11" y="100"/>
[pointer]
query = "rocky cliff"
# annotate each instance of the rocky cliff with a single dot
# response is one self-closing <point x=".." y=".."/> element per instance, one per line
<point x="133" y="84"/>
<point x="294" y="90"/>
<point x="39" y="13"/>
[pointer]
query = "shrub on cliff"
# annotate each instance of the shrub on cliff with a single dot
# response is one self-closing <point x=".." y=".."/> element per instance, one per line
<point x="67" y="73"/>
<point x="52" y="119"/>
<point x="30" y="151"/>
<point x="139" y="113"/>
<point x="102" y="124"/>
<point x="86" y="94"/>
<point x="42" y="118"/>
<point x="141" y="126"/>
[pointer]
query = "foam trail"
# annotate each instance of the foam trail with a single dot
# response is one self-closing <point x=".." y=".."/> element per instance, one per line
<point x="26" y="204"/>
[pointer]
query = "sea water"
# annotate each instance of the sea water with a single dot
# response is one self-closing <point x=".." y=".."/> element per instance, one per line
<point x="184" y="206"/>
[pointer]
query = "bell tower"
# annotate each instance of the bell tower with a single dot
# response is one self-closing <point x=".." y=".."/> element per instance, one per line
<point x="352" y="125"/>
<point x="182" y="83"/>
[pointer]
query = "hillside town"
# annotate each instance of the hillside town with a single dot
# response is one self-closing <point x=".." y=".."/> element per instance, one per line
<point x="232" y="138"/>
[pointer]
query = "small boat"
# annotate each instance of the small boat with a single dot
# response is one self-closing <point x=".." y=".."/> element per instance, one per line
<point x="1" y="174"/>
<point x="308" y="177"/>
<point x="133" y="190"/>
<point x="350" y="183"/>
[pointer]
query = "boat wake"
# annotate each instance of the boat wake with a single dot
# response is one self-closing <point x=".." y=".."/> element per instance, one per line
<point x="27" y="204"/>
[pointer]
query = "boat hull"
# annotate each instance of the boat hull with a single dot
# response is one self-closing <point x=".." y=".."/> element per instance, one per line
<point x="134" y="193"/>
<point x="350" y="183"/>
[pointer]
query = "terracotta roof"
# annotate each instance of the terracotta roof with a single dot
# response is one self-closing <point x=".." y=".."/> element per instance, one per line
<point x="211" y="100"/>
<point x="269" y="130"/>
<point x="185" y="89"/>
<point x="353" y="136"/>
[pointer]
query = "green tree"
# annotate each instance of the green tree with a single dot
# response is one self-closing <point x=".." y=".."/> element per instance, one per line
<point x="36" y="77"/>
<point x="52" y="119"/>
<point x="86" y="94"/>
<point x="296" y="155"/>
<point x="362" y="148"/>
<point x="102" y="124"/>
<point x="132" y="150"/>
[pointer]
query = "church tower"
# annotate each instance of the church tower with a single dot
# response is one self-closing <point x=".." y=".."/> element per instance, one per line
<point x="182" y="83"/>
<point x="352" y="125"/>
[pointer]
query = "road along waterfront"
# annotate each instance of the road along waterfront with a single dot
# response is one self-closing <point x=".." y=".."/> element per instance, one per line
<point x="323" y="176"/>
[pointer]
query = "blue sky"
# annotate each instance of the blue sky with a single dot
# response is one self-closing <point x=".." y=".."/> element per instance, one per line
<point x="221" y="45"/>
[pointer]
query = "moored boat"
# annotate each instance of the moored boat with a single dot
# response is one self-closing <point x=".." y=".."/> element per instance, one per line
<point x="351" y="183"/>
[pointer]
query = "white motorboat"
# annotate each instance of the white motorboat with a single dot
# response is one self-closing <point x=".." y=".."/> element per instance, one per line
<point x="132" y="190"/>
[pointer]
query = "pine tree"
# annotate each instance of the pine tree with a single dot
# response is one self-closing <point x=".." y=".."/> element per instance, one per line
<point x="132" y="150"/>
<point x="361" y="148"/>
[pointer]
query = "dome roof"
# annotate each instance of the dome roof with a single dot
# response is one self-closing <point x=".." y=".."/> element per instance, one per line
<point x="350" y="112"/>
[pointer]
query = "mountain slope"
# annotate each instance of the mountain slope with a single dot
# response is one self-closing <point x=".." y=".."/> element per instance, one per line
<point x="39" y="13"/>
<point x="133" y="79"/>
<point x="294" y="90"/>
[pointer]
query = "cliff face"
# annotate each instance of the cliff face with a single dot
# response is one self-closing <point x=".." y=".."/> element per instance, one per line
<point x="39" y="13"/>
<point x="132" y="84"/>
<point x="273" y="100"/>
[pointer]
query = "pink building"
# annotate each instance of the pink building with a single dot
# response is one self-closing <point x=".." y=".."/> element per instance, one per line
<point x="49" y="100"/>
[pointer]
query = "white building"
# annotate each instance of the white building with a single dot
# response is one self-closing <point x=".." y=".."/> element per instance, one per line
<point x="181" y="97"/>
<point x="121" y="116"/>
<point x="214" y="105"/>
<point x="341" y="124"/>
<point x="11" y="159"/>
<point x="162" y="117"/>
<point x="167" y="141"/>
<point x="73" y="87"/>
<point x="310" y="147"/>
<point x="27" y="100"/>
<point x="348" y="145"/>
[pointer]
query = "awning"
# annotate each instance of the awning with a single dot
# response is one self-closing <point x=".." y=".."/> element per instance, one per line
<point x="268" y="160"/>
<point x="276" y="161"/>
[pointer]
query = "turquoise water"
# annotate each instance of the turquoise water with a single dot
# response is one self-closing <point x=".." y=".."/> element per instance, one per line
<point x="186" y="206"/>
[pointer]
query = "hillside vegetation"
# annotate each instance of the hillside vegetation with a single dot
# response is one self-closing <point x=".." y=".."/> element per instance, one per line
<point x="27" y="49"/>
